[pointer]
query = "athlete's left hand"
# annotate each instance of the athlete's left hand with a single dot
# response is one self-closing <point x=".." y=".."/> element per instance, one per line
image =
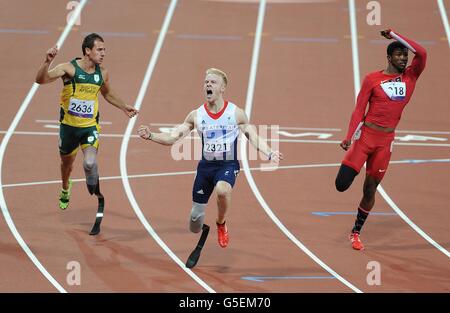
<point x="130" y="111"/>
<point x="386" y="34"/>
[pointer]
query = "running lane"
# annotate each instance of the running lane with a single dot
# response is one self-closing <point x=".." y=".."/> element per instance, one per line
<point x="421" y="190"/>
<point x="311" y="85"/>
<point x="22" y="34"/>
<point x="122" y="257"/>
<point x="220" y="36"/>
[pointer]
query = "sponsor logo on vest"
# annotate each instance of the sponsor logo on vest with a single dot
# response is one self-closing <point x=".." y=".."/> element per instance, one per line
<point x="89" y="89"/>
<point x="96" y="78"/>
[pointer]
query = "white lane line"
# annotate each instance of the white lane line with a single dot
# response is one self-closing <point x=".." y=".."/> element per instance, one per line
<point x="268" y="139"/>
<point x="436" y="132"/>
<point x="444" y="19"/>
<point x="4" y="144"/>
<point x="124" y="147"/>
<point x="280" y="128"/>
<point x="258" y="169"/>
<point x="380" y="188"/>
<point x="308" y="128"/>
<point x="248" y="175"/>
<point x="411" y="223"/>
<point x="354" y="40"/>
<point x="49" y="182"/>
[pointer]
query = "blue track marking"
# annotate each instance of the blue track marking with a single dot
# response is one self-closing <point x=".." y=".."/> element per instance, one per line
<point x="266" y="278"/>
<point x="351" y="213"/>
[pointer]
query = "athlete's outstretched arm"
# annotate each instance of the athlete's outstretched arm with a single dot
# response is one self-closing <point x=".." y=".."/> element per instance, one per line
<point x="259" y="143"/>
<point x="44" y="75"/>
<point x="420" y="58"/>
<point x="110" y="96"/>
<point x="176" y="134"/>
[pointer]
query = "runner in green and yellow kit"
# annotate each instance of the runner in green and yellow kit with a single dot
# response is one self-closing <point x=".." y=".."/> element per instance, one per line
<point x="83" y="78"/>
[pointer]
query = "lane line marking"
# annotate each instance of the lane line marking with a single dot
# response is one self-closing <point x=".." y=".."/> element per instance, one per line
<point x="208" y="37"/>
<point x="266" y="278"/>
<point x="380" y="189"/>
<point x="444" y="18"/>
<point x="23" y="31"/>
<point x="4" y="145"/>
<point x="124" y="147"/>
<point x="320" y="213"/>
<point x="424" y="144"/>
<point x="258" y="169"/>
<point x="354" y="42"/>
<point x="386" y="42"/>
<point x="118" y="34"/>
<point x="306" y="39"/>
<point x="248" y="175"/>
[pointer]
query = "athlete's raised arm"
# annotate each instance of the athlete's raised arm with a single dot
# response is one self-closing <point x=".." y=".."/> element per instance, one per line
<point x="420" y="57"/>
<point x="44" y="75"/>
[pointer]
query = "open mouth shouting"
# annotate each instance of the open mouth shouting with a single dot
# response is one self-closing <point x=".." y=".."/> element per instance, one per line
<point x="209" y="93"/>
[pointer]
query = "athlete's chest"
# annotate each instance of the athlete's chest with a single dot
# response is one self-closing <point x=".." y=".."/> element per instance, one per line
<point x="392" y="91"/>
<point x="225" y="122"/>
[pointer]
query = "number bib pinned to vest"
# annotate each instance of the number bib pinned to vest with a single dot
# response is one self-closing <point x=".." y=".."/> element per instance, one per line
<point x="81" y="108"/>
<point x="396" y="91"/>
<point x="216" y="142"/>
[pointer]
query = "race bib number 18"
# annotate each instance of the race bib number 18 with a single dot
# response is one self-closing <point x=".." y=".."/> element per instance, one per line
<point x="81" y="108"/>
<point x="396" y="91"/>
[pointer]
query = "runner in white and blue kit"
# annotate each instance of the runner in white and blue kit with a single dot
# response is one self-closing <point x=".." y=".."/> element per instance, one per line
<point x="219" y="133"/>
<point x="218" y="123"/>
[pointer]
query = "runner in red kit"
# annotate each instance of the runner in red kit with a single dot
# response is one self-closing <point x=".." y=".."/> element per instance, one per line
<point x="387" y="92"/>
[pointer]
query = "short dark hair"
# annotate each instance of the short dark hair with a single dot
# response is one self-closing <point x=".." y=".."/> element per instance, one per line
<point x="89" y="41"/>
<point x="394" y="46"/>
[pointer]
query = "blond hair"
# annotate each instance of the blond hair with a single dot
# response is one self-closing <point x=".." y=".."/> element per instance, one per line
<point x="219" y="73"/>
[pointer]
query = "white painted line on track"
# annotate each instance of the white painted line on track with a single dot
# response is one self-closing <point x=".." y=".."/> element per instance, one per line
<point x="256" y="169"/>
<point x="124" y="147"/>
<point x="380" y="189"/>
<point x="444" y="19"/>
<point x="417" y="144"/>
<point x="4" y="145"/>
<point x="248" y="175"/>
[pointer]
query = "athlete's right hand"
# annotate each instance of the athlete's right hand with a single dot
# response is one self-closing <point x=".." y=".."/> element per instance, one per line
<point x="144" y="132"/>
<point x="276" y="156"/>
<point x="345" y="144"/>
<point x="386" y="33"/>
<point x="51" y="54"/>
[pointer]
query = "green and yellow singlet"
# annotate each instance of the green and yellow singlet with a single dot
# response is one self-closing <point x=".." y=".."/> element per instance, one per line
<point x="79" y="98"/>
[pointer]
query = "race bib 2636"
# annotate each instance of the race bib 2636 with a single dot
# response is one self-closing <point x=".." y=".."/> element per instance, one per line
<point x="81" y="108"/>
